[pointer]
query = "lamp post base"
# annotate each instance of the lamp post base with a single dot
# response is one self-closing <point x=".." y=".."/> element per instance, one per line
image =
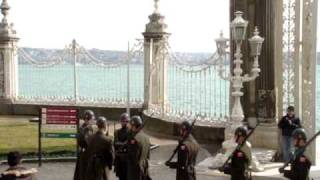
<point x="228" y="146"/>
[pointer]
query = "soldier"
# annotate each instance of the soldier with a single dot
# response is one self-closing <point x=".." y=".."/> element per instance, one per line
<point x="16" y="171"/>
<point x="87" y="129"/>
<point x="138" y="151"/>
<point x="120" y="145"/>
<point x="300" y="164"/>
<point x="187" y="155"/>
<point x="241" y="158"/>
<point x="100" y="153"/>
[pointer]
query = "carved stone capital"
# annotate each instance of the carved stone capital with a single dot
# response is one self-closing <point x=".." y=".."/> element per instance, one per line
<point x="156" y="24"/>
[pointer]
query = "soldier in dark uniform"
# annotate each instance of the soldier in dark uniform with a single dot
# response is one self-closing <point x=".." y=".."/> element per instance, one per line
<point x="87" y="129"/>
<point x="100" y="153"/>
<point x="241" y="158"/>
<point x="187" y="155"/>
<point x="16" y="171"/>
<point x="138" y="151"/>
<point x="120" y="145"/>
<point x="300" y="165"/>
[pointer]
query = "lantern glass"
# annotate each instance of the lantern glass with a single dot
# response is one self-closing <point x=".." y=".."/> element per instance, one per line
<point x="255" y="48"/>
<point x="239" y="27"/>
<point x="256" y="43"/>
<point x="239" y="33"/>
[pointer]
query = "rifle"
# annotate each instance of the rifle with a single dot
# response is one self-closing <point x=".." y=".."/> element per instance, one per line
<point x="299" y="151"/>
<point x="240" y="145"/>
<point x="181" y="142"/>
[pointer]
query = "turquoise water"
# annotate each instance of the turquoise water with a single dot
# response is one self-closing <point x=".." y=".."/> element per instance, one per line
<point x="186" y="92"/>
<point x="198" y="92"/>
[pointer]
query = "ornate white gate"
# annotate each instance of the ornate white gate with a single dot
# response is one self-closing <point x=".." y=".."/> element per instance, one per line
<point x="79" y="76"/>
<point x="193" y="86"/>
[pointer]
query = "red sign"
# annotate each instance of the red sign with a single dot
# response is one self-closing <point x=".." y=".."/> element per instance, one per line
<point x="59" y="116"/>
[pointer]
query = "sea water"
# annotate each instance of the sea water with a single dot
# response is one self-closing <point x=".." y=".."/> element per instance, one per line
<point x="185" y="92"/>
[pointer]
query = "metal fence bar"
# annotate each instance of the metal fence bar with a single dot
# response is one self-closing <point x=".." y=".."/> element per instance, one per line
<point x="77" y="70"/>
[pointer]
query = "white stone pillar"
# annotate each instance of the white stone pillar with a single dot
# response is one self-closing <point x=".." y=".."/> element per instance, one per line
<point x="278" y="70"/>
<point x="278" y="65"/>
<point x="155" y="62"/>
<point x="308" y="85"/>
<point x="297" y="91"/>
<point x="8" y="57"/>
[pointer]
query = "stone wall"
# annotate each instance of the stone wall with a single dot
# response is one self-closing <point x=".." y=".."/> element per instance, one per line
<point x="166" y="129"/>
<point x="265" y="136"/>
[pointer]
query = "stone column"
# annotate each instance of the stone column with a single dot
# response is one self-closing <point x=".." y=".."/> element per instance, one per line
<point x="278" y="70"/>
<point x="265" y="84"/>
<point x="155" y="62"/>
<point x="8" y="58"/>
<point x="308" y="87"/>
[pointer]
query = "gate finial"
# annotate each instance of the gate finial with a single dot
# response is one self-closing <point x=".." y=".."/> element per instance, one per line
<point x="4" y="11"/>
<point x="6" y="28"/>
<point x="156" y="6"/>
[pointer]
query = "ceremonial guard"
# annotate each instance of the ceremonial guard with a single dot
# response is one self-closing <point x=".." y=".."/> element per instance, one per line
<point x="300" y="163"/>
<point x="241" y="157"/>
<point x="121" y="137"/>
<point x="100" y="153"/>
<point x="187" y="154"/>
<point x="138" y="151"/>
<point x="87" y="129"/>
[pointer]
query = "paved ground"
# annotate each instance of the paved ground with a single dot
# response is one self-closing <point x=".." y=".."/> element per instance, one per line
<point x="64" y="171"/>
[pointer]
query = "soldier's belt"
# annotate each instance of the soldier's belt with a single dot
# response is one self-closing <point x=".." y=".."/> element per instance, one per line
<point x="122" y="151"/>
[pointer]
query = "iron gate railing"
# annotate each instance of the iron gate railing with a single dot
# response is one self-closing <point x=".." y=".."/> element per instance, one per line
<point x="79" y="76"/>
<point x="194" y="87"/>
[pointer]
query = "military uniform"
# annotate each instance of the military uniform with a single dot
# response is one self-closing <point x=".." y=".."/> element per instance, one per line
<point x="100" y="157"/>
<point x="138" y="156"/>
<point x="85" y="131"/>
<point x="300" y="165"/>
<point x="299" y="168"/>
<point x="241" y="158"/>
<point x="10" y="174"/>
<point x="121" y="137"/>
<point x="240" y="162"/>
<point x="187" y="156"/>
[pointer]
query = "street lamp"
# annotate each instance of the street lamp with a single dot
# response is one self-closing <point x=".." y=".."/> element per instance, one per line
<point x="239" y="27"/>
<point x="238" y="31"/>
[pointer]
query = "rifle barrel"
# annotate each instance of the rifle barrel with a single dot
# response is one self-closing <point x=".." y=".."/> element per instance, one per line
<point x="240" y="145"/>
<point x="182" y="141"/>
<point x="303" y="148"/>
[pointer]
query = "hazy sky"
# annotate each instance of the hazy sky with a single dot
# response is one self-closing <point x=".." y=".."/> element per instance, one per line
<point x="110" y="24"/>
